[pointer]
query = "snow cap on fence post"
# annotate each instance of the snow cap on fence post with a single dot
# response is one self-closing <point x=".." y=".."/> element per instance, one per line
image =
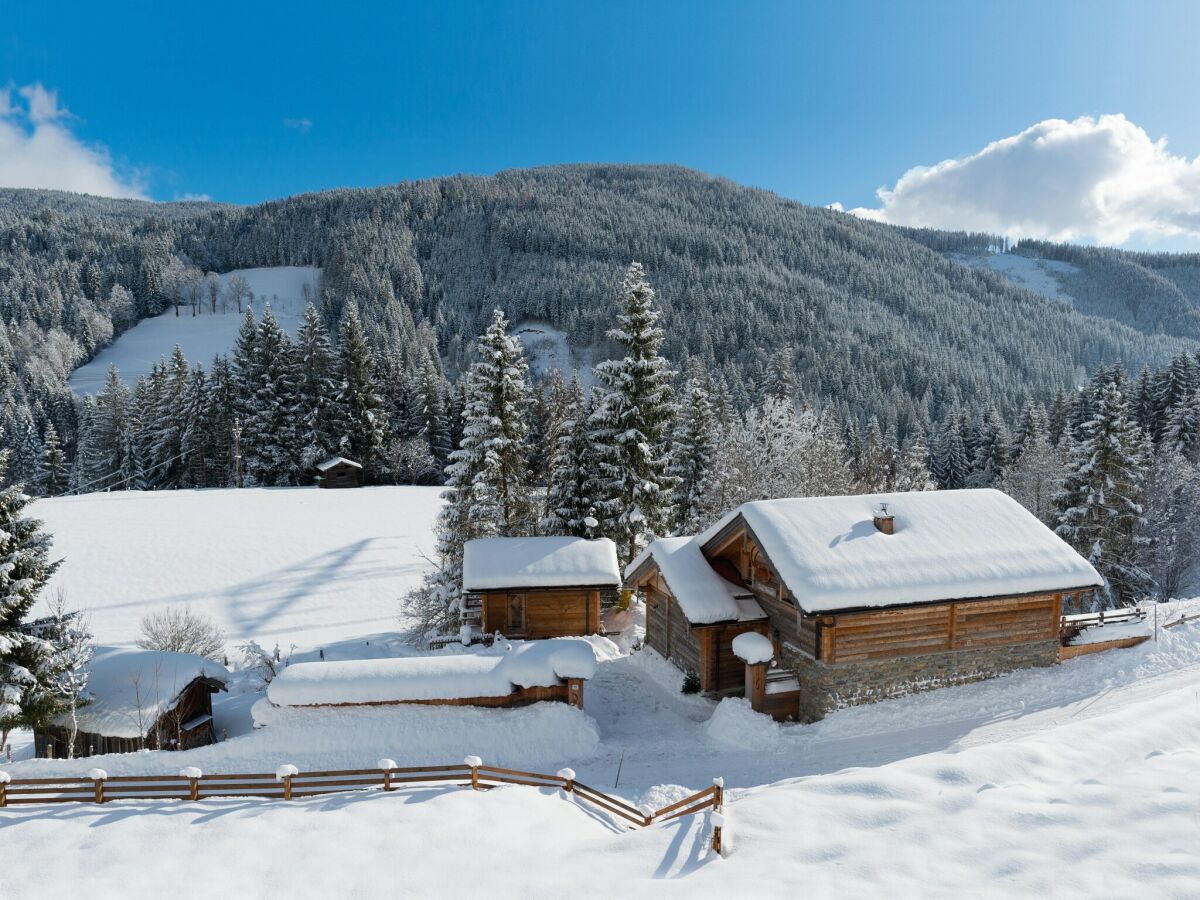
<point x="287" y="770"/>
<point x="193" y="775"/>
<point x="190" y="772"/>
<point x="386" y="764"/>
<point x="568" y="777"/>
<point x="474" y="762"/>
<point x="97" y="774"/>
<point x="5" y="778"/>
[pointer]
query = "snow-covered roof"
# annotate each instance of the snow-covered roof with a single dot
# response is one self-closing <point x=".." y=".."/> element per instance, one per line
<point x="946" y="545"/>
<point x="703" y="595"/>
<point x="131" y="689"/>
<point x="337" y="461"/>
<point x="528" y="562"/>
<point x="496" y="672"/>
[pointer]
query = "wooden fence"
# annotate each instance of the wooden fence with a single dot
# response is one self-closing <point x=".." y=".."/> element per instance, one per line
<point x="287" y="783"/>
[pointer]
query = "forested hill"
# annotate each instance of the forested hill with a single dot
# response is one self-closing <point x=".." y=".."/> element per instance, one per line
<point x="880" y="322"/>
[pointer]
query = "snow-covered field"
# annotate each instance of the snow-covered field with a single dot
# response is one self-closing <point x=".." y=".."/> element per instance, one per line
<point x="279" y="565"/>
<point x="1078" y="780"/>
<point x="204" y="335"/>
<point x="1075" y="781"/>
<point x="1042" y="276"/>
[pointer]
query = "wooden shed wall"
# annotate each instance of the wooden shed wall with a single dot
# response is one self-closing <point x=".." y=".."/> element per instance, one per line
<point x="548" y="613"/>
<point x="936" y="628"/>
<point x="667" y="631"/>
<point x="720" y="669"/>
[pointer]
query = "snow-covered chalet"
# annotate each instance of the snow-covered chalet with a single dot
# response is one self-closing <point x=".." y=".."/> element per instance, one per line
<point x="862" y="598"/>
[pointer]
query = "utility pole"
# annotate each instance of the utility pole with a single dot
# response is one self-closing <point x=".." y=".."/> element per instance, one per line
<point x="237" y="452"/>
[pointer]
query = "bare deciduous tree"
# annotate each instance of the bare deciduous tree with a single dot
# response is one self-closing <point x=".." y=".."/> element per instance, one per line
<point x="179" y="630"/>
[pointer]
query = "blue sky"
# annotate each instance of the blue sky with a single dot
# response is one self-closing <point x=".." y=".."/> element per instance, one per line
<point x="820" y="102"/>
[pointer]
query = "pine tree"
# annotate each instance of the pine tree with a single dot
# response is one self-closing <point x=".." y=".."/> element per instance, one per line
<point x="487" y="491"/>
<point x="992" y="451"/>
<point x="1182" y="434"/>
<point x="949" y="457"/>
<point x="365" y="418"/>
<point x="1100" y="511"/>
<point x="632" y="423"/>
<point x="25" y="568"/>
<point x="781" y="375"/>
<point x="574" y="488"/>
<point x="170" y="421"/>
<point x="692" y="451"/>
<point x="320" y="417"/>
<point x="63" y="668"/>
<point x="52" y="470"/>
<point x="269" y="434"/>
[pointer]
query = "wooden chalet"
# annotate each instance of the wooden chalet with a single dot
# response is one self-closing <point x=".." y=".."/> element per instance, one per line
<point x="539" y="587"/>
<point x="863" y="597"/>
<point x="339" y="472"/>
<point x="139" y="699"/>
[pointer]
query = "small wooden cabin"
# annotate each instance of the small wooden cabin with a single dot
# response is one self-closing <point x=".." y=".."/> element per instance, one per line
<point x="539" y="587"/>
<point x="339" y="472"/>
<point x="867" y="597"/>
<point x="139" y="699"/>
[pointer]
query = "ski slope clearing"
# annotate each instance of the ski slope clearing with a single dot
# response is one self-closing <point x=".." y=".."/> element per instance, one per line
<point x="204" y="335"/>
<point x="1042" y="276"/>
<point x="286" y="565"/>
<point x="1062" y="798"/>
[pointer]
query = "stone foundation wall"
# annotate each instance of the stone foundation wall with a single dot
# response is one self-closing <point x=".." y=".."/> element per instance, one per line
<point x="824" y="687"/>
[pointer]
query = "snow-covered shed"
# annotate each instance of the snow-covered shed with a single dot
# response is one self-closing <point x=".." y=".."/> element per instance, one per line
<point x="962" y="584"/>
<point x="538" y="587"/>
<point x="695" y="610"/>
<point x="506" y="674"/>
<point x="339" y="472"/>
<point x="140" y="699"/>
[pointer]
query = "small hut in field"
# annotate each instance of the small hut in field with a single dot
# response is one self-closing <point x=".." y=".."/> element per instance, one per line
<point x="539" y="587"/>
<point x="339" y="472"/>
<point x="140" y="699"/>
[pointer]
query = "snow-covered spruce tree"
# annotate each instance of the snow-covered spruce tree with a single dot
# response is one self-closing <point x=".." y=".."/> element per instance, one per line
<point x="949" y="457"/>
<point x="1170" y="552"/>
<point x="169" y="421"/>
<point x="632" y="422"/>
<point x="1100" y="512"/>
<point x="196" y="440"/>
<point x="574" y="487"/>
<point x="912" y="471"/>
<point x="52" y="466"/>
<point x="692" y="450"/>
<point x="269" y="437"/>
<point x="63" y="672"/>
<point x="781" y="375"/>
<point x="25" y="568"/>
<point x="1036" y="478"/>
<point x="488" y="484"/>
<point x="320" y="416"/>
<point x="1182" y="434"/>
<point x="365" y="417"/>
<point x="992" y="449"/>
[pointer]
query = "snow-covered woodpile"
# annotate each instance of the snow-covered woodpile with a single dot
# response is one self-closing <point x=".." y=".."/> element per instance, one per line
<point x="507" y="674"/>
<point x="140" y="699"/>
<point x="536" y="587"/>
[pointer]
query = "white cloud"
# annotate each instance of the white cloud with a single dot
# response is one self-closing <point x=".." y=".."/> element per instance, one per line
<point x="39" y="150"/>
<point x="1100" y="179"/>
<point x="300" y="125"/>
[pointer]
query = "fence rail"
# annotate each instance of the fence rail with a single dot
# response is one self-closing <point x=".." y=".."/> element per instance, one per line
<point x="287" y="783"/>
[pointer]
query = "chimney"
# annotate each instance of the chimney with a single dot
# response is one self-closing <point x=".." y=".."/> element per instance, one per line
<point x="884" y="520"/>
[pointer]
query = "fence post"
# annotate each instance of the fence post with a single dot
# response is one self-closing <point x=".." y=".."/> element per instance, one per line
<point x="98" y="776"/>
<point x="387" y="765"/>
<point x="5" y="778"/>
<point x="718" y="816"/>
<point x="568" y="778"/>
<point x="474" y="762"/>
<point x="284" y="773"/>
<point x="193" y="775"/>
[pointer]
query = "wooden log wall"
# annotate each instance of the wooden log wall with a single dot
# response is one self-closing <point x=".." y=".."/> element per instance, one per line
<point x="667" y="630"/>
<point x="937" y="628"/>
<point x="547" y="613"/>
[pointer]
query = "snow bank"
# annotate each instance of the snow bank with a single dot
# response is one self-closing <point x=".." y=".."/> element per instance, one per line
<point x="947" y="545"/>
<point x="752" y="647"/>
<point x="130" y="689"/>
<point x="489" y="673"/>
<point x="734" y="724"/>
<point x="203" y="336"/>
<point x="286" y="565"/>
<point x="541" y="562"/>
<point x="1099" y="634"/>
<point x="702" y="594"/>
